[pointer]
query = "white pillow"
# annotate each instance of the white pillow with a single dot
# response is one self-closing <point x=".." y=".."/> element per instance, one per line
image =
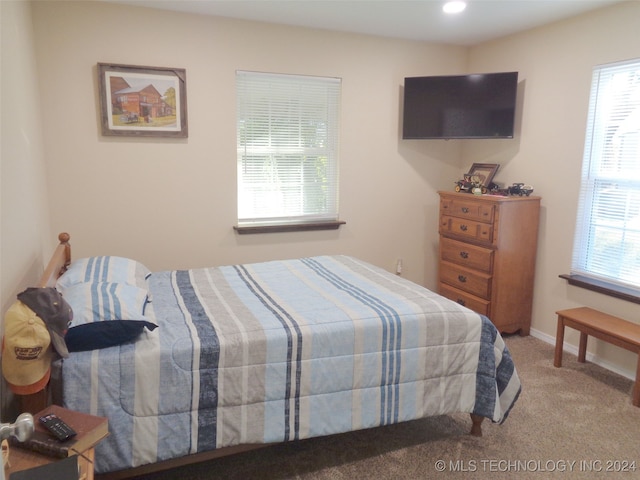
<point x="104" y="269"/>
<point x="95" y="302"/>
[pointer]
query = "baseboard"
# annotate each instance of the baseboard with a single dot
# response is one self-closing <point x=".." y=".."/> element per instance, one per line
<point x="567" y="347"/>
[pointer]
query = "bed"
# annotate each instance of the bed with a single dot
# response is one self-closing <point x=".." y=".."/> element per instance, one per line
<point x="256" y="354"/>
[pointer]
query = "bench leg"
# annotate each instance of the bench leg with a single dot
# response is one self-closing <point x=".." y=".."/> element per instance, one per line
<point x="635" y="399"/>
<point x="582" y="348"/>
<point x="557" y="359"/>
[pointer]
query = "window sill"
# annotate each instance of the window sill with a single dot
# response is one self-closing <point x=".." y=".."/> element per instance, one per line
<point x="605" y="288"/>
<point x="294" y="227"/>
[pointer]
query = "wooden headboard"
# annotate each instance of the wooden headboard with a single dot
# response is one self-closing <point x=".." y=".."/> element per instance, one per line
<point x="58" y="263"/>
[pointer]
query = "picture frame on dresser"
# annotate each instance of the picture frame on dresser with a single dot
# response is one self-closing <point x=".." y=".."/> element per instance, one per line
<point x="486" y="172"/>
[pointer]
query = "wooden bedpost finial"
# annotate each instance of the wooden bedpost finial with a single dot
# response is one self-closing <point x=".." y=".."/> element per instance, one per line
<point x="64" y="242"/>
<point x="58" y="263"/>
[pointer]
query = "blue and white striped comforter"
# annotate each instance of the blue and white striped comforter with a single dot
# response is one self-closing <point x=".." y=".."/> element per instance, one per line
<point x="286" y="350"/>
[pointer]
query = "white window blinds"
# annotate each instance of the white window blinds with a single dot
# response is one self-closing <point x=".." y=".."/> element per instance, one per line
<point x="287" y="136"/>
<point x="607" y="241"/>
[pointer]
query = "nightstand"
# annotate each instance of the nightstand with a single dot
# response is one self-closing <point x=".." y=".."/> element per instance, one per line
<point x="90" y="431"/>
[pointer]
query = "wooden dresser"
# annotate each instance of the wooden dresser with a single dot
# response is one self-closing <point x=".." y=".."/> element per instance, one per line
<point x="488" y="255"/>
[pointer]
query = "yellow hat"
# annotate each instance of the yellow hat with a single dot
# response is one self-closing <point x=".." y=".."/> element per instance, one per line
<point x="26" y="350"/>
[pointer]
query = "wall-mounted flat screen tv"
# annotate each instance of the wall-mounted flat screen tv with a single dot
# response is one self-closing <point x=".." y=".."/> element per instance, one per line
<point x="460" y="106"/>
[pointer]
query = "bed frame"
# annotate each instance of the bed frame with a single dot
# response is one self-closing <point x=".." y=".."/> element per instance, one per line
<point x="58" y="263"/>
<point x="56" y="266"/>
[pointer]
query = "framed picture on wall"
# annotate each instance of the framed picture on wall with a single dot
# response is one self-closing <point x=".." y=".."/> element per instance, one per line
<point x="484" y="172"/>
<point x="142" y="101"/>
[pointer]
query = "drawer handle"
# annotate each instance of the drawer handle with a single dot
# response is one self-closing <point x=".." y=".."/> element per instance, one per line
<point x="462" y="278"/>
<point x="464" y="254"/>
<point x="464" y="228"/>
<point x="465" y="210"/>
<point x="461" y="302"/>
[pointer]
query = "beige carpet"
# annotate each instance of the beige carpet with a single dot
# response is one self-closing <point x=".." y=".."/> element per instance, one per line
<point x="572" y="422"/>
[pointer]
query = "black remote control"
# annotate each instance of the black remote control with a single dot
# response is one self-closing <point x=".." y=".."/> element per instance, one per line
<point x="57" y="427"/>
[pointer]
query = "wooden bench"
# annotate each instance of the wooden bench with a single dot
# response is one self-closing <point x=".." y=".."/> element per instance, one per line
<point x="608" y="328"/>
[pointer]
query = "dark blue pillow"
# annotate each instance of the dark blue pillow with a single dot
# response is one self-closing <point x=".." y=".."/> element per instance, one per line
<point x="91" y="336"/>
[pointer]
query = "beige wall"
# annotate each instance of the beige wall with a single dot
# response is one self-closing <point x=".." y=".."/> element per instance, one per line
<point x="171" y="203"/>
<point x="24" y="219"/>
<point x="555" y="65"/>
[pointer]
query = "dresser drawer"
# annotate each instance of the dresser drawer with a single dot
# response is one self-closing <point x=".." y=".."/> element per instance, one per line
<point x="470" y="209"/>
<point x="471" y="281"/>
<point x="465" y="254"/>
<point x="466" y="228"/>
<point x="476" y="304"/>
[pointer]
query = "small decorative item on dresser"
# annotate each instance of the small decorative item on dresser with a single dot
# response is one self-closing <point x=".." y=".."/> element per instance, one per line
<point x="465" y="184"/>
<point x="484" y="173"/>
<point x="520" y="189"/>
<point x="479" y="179"/>
<point x="478" y="190"/>
<point x="471" y="183"/>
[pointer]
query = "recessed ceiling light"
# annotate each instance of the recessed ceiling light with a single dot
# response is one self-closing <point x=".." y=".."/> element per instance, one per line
<point x="455" y="6"/>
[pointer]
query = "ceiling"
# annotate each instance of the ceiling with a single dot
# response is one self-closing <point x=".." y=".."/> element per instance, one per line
<point x="408" y="19"/>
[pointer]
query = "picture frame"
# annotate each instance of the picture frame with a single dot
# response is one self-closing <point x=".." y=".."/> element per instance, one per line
<point x="485" y="172"/>
<point x="142" y="101"/>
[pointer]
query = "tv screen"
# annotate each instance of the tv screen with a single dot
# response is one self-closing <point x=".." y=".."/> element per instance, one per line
<point x="460" y="106"/>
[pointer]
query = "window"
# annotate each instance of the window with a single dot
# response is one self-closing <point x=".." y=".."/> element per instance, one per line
<point x="287" y="137"/>
<point x="607" y="241"/>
